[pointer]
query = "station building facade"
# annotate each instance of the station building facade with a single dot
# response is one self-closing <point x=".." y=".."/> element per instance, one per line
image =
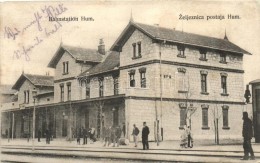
<point x="165" y="77"/>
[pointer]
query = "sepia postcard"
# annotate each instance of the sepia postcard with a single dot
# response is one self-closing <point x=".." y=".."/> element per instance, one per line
<point x="130" y="81"/>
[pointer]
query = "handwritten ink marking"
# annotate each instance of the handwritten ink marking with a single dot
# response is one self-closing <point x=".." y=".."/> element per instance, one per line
<point x="52" y="31"/>
<point x="37" y="17"/>
<point x="54" y="11"/>
<point x="9" y="33"/>
<point x="25" y="50"/>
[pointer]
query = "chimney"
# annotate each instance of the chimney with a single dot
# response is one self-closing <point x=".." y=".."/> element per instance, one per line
<point x="101" y="47"/>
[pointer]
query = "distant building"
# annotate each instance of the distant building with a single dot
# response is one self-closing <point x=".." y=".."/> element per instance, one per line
<point x="165" y="77"/>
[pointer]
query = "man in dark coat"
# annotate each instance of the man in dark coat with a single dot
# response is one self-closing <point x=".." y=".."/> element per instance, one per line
<point x="39" y="135"/>
<point x="48" y="136"/>
<point x="145" y="133"/>
<point x="85" y="136"/>
<point x="247" y="134"/>
<point x="118" y="132"/>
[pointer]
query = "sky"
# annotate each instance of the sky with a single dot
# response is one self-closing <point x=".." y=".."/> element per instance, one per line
<point x="24" y="24"/>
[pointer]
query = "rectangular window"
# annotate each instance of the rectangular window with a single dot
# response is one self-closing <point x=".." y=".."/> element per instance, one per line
<point x="25" y="97"/>
<point x="134" y="50"/>
<point x="65" y="67"/>
<point x="28" y="97"/>
<point x="143" y="79"/>
<point x="87" y="85"/>
<point x="139" y="47"/>
<point x="132" y="80"/>
<point x="204" y="117"/>
<point x="203" y="83"/>
<point x="181" y="51"/>
<point x="69" y="91"/>
<point x="61" y="93"/>
<point x="182" y="117"/>
<point x="225" y="118"/>
<point x="224" y="84"/>
<point x="223" y="58"/>
<point x="101" y="87"/>
<point x="116" y="86"/>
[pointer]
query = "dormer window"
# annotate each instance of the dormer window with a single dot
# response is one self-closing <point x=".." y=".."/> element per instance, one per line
<point x="65" y="68"/>
<point x="181" y="51"/>
<point x="223" y="58"/>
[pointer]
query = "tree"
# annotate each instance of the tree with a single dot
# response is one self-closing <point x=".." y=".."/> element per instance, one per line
<point x="99" y="105"/>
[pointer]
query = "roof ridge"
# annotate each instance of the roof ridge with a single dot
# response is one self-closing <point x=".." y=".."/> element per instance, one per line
<point x="179" y="31"/>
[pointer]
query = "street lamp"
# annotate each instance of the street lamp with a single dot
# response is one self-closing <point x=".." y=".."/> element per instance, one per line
<point x="191" y="110"/>
<point x="34" y="94"/>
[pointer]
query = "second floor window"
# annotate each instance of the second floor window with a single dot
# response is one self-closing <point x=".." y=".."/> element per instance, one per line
<point x="69" y="91"/>
<point x="181" y="51"/>
<point x="65" y="67"/>
<point x="116" y="85"/>
<point x="87" y="85"/>
<point x="142" y="77"/>
<point x="203" y="55"/>
<point x="139" y="48"/>
<point x="224" y="84"/>
<point x="61" y="92"/>
<point x="26" y="96"/>
<point x="101" y="87"/>
<point x="223" y="58"/>
<point x="204" y="83"/>
<point x="132" y="80"/>
<point x="134" y="50"/>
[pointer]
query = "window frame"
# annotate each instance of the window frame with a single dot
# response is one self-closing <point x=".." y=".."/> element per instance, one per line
<point x="134" y="50"/>
<point x="132" y="78"/>
<point x="69" y="91"/>
<point x="116" y="85"/>
<point x="61" y="92"/>
<point x="181" y="51"/>
<point x="65" y="67"/>
<point x="139" y="49"/>
<point x="205" y="118"/>
<point x="223" y="58"/>
<point x="225" y="116"/>
<point x="203" y="55"/>
<point x="224" y="89"/>
<point x="87" y="88"/>
<point x="101" y="86"/>
<point x="142" y="72"/>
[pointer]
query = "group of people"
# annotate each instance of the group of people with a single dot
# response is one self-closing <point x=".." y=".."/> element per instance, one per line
<point x="85" y="134"/>
<point x="48" y="136"/>
<point x="145" y="134"/>
<point x="112" y="134"/>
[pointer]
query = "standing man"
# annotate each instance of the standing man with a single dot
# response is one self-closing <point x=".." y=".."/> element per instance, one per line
<point x="247" y="134"/>
<point x="145" y="133"/>
<point x="39" y="135"/>
<point x="135" y="135"/>
<point x="85" y="136"/>
<point x="123" y="128"/>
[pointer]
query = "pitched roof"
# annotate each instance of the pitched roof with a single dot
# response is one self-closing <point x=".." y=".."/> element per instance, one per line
<point x="79" y="54"/>
<point x="110" y="63"/>
<point x="170" y="35"/>
<point x="37" y="80"/>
